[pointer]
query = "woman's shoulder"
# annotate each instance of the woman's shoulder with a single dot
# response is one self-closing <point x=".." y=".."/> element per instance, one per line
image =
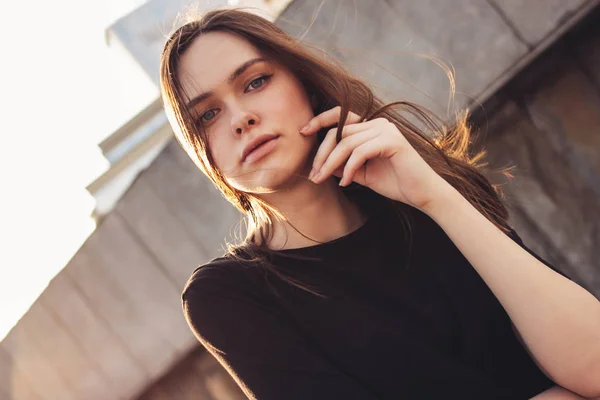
<point x="220" y="299"/>
<point x="224" y="274"/>
<point x="213" y="269"/>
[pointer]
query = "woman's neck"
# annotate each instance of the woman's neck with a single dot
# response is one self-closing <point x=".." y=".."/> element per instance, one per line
<point x="323" y="215"/>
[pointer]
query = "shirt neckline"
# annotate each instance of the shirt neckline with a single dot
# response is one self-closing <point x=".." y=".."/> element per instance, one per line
<point x="337" y="247"/>
<point x="345" y="237"/>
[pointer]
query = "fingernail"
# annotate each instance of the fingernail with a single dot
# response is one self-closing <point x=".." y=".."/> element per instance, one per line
<point x="312" y="172"/>
<point x="315" y="177"/>
<point x="304" y="128"/>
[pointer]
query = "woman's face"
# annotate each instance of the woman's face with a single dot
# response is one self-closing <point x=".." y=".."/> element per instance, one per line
<point x="242" y="98"/>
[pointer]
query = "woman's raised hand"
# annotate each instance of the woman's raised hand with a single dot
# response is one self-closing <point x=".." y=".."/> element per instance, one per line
<point x="374" y="154"/>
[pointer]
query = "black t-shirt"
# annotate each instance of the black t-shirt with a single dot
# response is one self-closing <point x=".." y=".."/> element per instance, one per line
<point x="380" y="331"/>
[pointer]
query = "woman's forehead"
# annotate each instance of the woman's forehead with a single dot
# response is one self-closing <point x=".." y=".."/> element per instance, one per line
<point x="212" y="57"/>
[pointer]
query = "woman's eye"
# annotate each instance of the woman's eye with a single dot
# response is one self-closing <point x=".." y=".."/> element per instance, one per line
<point x="258" y="82"/>
<point x="207" y="116"/>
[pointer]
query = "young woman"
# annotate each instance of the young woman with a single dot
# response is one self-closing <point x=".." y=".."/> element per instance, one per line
<point x="378" y="261"/>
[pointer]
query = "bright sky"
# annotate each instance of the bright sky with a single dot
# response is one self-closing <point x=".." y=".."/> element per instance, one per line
<point x="63" y="91"/>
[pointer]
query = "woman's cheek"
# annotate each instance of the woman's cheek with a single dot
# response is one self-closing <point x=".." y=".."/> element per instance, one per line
<point x="219" y="155"/>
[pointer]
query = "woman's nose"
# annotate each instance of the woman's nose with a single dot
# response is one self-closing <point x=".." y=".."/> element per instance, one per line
<point x="244" y="122"/>
<point x="250" y="122"/>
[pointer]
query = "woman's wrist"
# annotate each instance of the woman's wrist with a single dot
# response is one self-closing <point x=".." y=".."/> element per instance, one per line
<point x="558" y="393"/>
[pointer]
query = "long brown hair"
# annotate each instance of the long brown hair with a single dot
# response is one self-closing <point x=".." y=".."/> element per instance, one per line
<point x="446" y="149"/>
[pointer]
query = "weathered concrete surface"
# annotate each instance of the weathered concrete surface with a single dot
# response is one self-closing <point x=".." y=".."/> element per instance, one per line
<point x="391" y="45"/>
<point x="548" y="125"/>
<point x="533" y="20"/>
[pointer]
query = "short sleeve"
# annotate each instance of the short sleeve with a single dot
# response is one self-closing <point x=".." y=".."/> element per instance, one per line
<point x="514" y="236"/>
<point x="249" y="336"/>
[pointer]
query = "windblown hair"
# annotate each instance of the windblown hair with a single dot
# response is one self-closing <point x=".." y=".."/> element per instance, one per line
<point x="446" y="149"/>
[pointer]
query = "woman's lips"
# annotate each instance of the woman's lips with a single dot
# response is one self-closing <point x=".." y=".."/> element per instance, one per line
<point x="261" y="150"/>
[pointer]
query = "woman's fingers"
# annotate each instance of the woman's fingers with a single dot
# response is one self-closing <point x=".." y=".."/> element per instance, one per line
<point x="328" y="118"/>
<point x="329" y="143"/>
<point x="361" y="154"/>
<point x="340" y="153"/>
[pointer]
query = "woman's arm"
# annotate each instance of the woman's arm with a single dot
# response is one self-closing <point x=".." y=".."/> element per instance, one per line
<point x="558" y="320"/>
<point x="559" y="393"/>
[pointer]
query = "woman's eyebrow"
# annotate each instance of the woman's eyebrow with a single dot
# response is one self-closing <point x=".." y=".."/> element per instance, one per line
<point x="232" y="77"/>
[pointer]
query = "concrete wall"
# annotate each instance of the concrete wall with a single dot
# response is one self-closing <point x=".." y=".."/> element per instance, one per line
<point x="111" y="322"/>
<point x="547" y="123"/>
<point x="395" y="44"/>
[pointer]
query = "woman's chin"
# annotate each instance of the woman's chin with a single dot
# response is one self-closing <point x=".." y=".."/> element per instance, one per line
<point x="266" y="180"/>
